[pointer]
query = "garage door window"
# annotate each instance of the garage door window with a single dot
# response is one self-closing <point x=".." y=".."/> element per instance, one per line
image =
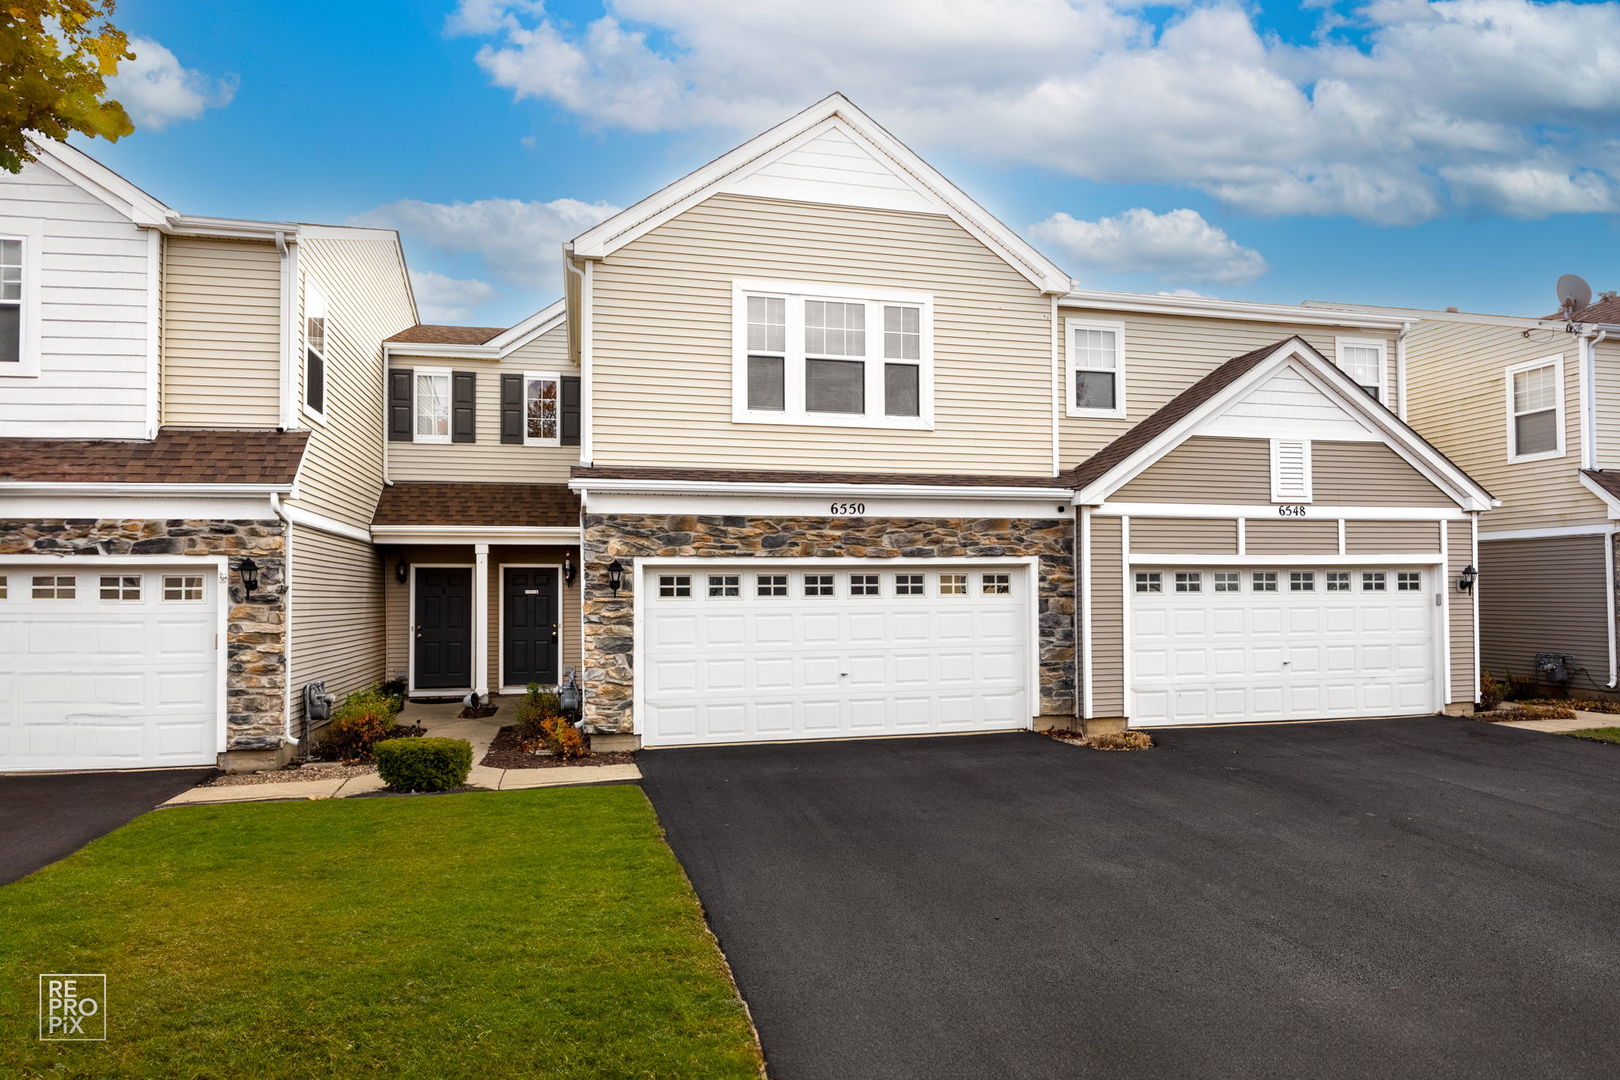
<point x="675" y="585"/>
<point x="1302" y="581"/>
<point x="1189" y="582"/>
<point x="2" y="588"/>
<point x="51" y="587"/>
<point x="864" y="585"/>
<point x="120" y="587"/>
<point x="724" y="585"/>
<point x="1265" y="581"/>
<point x="1374" y="582"/>
<point x="772" y="585"/>
<point x="1405" y="582"/>
<point x="1338" y="581"/>
<point x="997" y="584"/>
<point x="953" y="584"/>
<point x="183" y="587"/>
<point x="818" y="585"/>
<point x="1227" y="581"/>
<point x="908" y="585"/>
<point x="1150" y="582"/>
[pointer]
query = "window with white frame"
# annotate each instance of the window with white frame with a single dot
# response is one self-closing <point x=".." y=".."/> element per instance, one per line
<point x="184" y="588"/>
<point x="1409" y="581"/>
<point x="2" y="587"/>
<point x="432" y="405"/>
<point x="1149" y="581"/>
<point x="843" y="357"/>
<point x="724" y="585"/>
<point x="11" y="301"/>
<point x="771" y="585"/>
<point x="315" y="351"/>
<point x="1290" y="470"/>
<point x="1338" y="581"/>
<point x="996" y="584"/>
<point x="1535" y="402"/>
<point x="818" y="585"/>
<point x="1189" y="581"/>
<point x="909" y="585"/>
<point x="1228" y="581"/>
<point x="675" y="586"/>
<point x="1263" y="581"/>
<point x="121" y="587"/>
<point x="1096" y="352"/>
<point x="1363" y="359"/>
<point x="541" y="412"/>
<point x="1301" y="581"/>
<point x="1374" y="581"/>
<point x="54" y="587"/>
<point x="864" y="585"/>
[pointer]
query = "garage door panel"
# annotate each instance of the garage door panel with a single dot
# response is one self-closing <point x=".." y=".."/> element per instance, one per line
<point x="820" y="717"/>
<point x="130" y="690"/>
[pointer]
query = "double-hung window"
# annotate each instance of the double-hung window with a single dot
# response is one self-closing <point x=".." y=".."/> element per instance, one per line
<point x="1535" y="406"/>
<point x="432" y="405"/>
<point x="315" y="352"/>
<point x="1096" y="352"/>
<point x="1363" y="360"/>
<point x="541" y="410"/>
<point x="11" y="301"/>
<point x="19" y="301"/>
<point x="834" y="355"/>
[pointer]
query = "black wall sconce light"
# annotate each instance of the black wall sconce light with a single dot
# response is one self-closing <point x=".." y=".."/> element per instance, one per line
<point x="248" y="571"/>
<point x="1465" y="583"/>
<point x="615" y="572"/>
<point x="568" y="568"/>
<point x="402" y="571"/>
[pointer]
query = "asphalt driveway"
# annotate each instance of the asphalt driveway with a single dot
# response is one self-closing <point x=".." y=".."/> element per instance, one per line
<point x="1392" y="898"/>
<point x="49" y="816"/>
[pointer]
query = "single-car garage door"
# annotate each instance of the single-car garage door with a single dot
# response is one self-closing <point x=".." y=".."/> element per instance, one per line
<point x="113" y="667"/>
<point x="743" y="653"/>
<point x="1232" y="644"/>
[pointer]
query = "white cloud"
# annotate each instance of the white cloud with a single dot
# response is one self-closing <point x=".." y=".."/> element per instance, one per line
<point x="1176" y="246"/>
<point x="441" y="298"/>
<point x="518" y="242"/>
<point x="157" y="91"/>
<point x="1451" y="103"/>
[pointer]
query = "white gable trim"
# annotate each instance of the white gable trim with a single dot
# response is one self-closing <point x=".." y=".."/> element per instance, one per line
<point x="101" y="182"/>
<point x="1331" y="381"/>
<point x="835" y="110"/>
<point x="541" y="322"/>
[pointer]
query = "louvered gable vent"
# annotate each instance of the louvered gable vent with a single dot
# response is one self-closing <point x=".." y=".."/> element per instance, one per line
<point x="1290" y="470"/>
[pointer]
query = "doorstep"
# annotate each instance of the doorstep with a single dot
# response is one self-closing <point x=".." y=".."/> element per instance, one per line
<point x="480" y="777"/>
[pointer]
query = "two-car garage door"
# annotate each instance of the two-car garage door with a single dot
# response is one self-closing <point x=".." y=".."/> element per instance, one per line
<point x="108" y="667"/>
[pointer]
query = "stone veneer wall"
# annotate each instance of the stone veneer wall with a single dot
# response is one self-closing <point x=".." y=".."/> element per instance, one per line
<point x="609" y="632"/>
<point x="255" y="679"/>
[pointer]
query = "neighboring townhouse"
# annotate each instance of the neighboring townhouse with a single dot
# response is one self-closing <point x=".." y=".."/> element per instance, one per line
<point x="190" y="455"/>
<point x="1531" y="408"/>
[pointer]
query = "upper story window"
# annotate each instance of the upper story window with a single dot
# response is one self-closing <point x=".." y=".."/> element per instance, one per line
<point x="831" y="355"/>
<point x="315" y="352"/>
<point x="1363" y="360"/>
<point x="432" y="410"/>
<point x="1535" y="408"/>
<point x="1096" y="353"/>
<point x="19" y="305"/>
<point x="542" y="410"/>
<point x="1290" y="470"/>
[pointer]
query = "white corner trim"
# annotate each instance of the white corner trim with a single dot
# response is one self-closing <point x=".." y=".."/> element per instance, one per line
<point x="587" y="371"/>
<point x="321" y="523"/>
<point x="1087" y="709"/>
<point x="1070" y="325"/>
<point x="290" y="333"/>
<point x="1557" y="364"/>
<point x="154" y="343"/>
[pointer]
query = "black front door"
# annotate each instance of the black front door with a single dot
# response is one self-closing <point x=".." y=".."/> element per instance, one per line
<point x="443" y="631"/>
<point x="529" y="632"/>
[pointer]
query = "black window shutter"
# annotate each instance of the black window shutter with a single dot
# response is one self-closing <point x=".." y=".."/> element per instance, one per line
<point x="463" y="406"/>
<point x="568" y="413"/>
<point x="401" y="381"/>
<point x="512" y="408"/>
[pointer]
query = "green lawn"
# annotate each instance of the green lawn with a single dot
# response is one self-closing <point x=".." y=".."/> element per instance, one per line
<point x="525" y="933"/>
<point x="1597" y="734"/>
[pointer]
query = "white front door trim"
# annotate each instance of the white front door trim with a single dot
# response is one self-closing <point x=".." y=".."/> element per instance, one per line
<point x="506" y="687"/>
<point x="411" y="688"/>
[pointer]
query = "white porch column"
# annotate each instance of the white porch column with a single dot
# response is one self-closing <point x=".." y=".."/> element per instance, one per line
<point x="480" y="627"/>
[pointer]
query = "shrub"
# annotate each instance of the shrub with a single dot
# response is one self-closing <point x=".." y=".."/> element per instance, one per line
<point x="395" y="689"/>
<point x="424" y="764"/>
<point x="533" y="711"/>
<point x="1520" y="687"/>
<point x="365" y="717"/>
<point x="563" y="739"/>
<point x="1490" y="692"/>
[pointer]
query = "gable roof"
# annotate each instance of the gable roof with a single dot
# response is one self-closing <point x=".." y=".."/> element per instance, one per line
<point x="431" y="334"/>
<point x="835" y="112"/>
<point x="1606" y="310"/>
<point x="474" y="342"/>
<point x="505" y="505"/>
<point x="176" y="456"/>
<point x="1108" y="469"/>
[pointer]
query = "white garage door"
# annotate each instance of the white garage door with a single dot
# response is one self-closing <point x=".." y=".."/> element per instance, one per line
<point x="107" y="668"/>
<point x="1227" y="645"/>
<point x="749" y="653"/>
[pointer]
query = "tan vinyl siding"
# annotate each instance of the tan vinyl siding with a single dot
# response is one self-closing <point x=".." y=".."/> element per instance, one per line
<point x="1184" y="536"/>
<point x="1607" y="375"/>
<point x="1457" y="385"/>
<point x="1390" y="537"/>
<point x="1459" y="554"/>
<point x="1107" y="646"/>
<point x="337" y="615"/>
<point x="1205" y="469"/>
<point x="489" y="460"/>
<point x="221" y="333"/>
<point x="367" y="301"/>
<point x="1544" y="595"/>
<point x="662" y="341"/>
<point x="1263" y="536"/>
<point x="1368" y="474"/>
<point x="1164" y="354"/>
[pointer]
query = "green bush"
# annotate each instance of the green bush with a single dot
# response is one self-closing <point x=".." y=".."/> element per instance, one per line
<point x="424" y="764"/>
<point x="365" y="717"/>
<point x="534" y="710"/>
<point x="1490" y="692"/>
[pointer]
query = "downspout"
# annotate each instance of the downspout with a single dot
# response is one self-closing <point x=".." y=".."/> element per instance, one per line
<point x="286" y="621"/>
<point x="1589" y="343"/>
<point x="1060" y="390"/>
<point x="289" y="336"/>
<point x="1608" y="591"/>
<point x="1400" y="370"/>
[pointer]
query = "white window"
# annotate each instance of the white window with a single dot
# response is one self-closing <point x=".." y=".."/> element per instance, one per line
<point x="2" y="587"/>
<point x="1301" y="581"/>
<point x="1408" y="581"/>
<point x="19" y="302"/>
<point x="1263" y="581"/>
<point x="724" y="585"/>
<point x="52" y="587"/>
<point x="1290" y="470"/>
<point x="1150" y="582"/>
<point x="1096" y="353"/>
<point x="908" y="585"/>
<point x="831" y="355"/>
<point x="432" y="405"/>
<point x="771" y="585"/>
<point x="1374" y="582"/>
<point x="1338" y="581"/>
<point x="818" y="585"/>
<point x="996" y="584"/>
<point x="120" y="587"/>
<point x="541" y="413"/>
<point x="953" y="585"/>
<point x="1189" y="581"/>
<point x="864" y="585"/>
<point x="315" y="354"/>
<point x="1363" y="360"/>
<point x="675" y="585"/>
<point x="1228" y="581"/>
<point x="184" y="587"/>
<point x="1535" y="405"/>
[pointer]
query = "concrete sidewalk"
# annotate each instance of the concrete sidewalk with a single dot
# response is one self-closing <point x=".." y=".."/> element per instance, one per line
<point x="1581" y="722"/>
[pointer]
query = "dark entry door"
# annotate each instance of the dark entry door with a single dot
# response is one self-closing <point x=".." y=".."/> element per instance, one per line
<point x="529" y="634"/>
<point x="443" y="632"/>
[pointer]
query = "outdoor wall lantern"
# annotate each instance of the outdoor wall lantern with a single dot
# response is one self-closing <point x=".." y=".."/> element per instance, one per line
<point x="568" y="568"/>
<point x="1466" y="582"/>
<point x="615" y="575"/>
<point x="248" y="570"/>
<point x="402" y="571"/>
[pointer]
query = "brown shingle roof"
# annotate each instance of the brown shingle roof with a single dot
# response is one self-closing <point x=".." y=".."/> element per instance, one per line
<point x="779" y="476"/>
<point x="1607" y="479"/>
<point x="176" y="456"/>
<point x="428" y="334"/>
<point x="1606" y="310"/>
<point x="423" y="503"/>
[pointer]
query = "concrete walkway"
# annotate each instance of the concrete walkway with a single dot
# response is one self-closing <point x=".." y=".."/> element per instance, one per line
<point x="1582" y="721"/>
<point x="440" y="721"/>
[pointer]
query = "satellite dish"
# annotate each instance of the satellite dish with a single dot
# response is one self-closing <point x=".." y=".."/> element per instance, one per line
<point x="1574" y="294"/>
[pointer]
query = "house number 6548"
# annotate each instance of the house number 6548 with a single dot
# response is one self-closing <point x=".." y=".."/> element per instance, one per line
<point x="848" y="509"/>
<point x="1291" y="510"/>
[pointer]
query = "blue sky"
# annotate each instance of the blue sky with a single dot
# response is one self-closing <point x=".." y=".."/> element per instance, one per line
<point x="1400" y="151"/>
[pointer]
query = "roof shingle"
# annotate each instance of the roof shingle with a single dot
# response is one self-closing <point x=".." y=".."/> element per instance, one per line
<point x="430" y="334"/>
<point x="505" y="505"/>
<point x="176" y="456"/>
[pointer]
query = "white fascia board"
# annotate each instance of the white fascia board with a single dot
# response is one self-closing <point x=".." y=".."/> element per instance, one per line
<point x="603" y="239"/>
<point x="232" y="228"/>
<point x="133" y="507"/>
<point x="101" y="182"/>
<point x="427" y="349"/>
<point x="475" y="534"/>
<point x="1268" y="511"/>
<point x="519" y="335"/>
<point x="1154" y="558"/>
<point x="321" y="523"/>
<point x="1609" y="500"/>
<point x="1210" y="308"/>
<point x="113" y="491"/>
<point x="1549" y="533"/>
<point x="852" y="489"/>
<point x="1415" y="315"/>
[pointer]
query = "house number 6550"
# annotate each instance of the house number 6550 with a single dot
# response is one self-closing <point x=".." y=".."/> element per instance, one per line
<point x="1291" y="510"/>
<point x="848" y="509"/>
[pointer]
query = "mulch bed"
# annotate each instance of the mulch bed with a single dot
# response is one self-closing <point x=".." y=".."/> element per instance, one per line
<point x="287" y="774"/>
<point x="506" y="753"/>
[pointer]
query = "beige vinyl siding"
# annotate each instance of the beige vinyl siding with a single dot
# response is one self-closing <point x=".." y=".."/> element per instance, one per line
<point x="337" y="615"/>
<point x="1205" y="469"/>
<point x="397" y="597"/>
<point x="1184" y="536"/>
<point x="367" y="299"/>
<point x="489" y="460"/>
<point x="1544" y="595"/>
<point x="1460" y="554"/>
<point x="662" y="341"/>
<point x="1290" y="536"/>
<point x="1368" y="474"/>
<point x="1107" y="643"/>
<point x="1457" y="386"/>
<point x="1390" y="537"/>
<point x="221" y="333"/>
<point x="1607" y="375"/>
<point x="1165" y="354"/>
